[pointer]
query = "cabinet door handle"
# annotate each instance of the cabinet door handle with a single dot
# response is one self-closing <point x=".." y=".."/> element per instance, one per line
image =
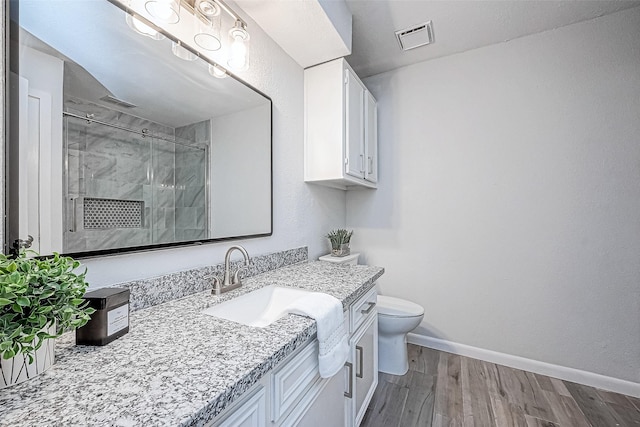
<point x="368" y="310"/>
<point x="362" y="163"/>
<point x="360" y="363"/>
<point x="370" y="165"/>
<point x="349" y="393"/>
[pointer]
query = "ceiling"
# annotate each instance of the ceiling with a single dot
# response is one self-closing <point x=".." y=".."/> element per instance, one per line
<point x="297" y="25"/>
<point x="458" y="26"/>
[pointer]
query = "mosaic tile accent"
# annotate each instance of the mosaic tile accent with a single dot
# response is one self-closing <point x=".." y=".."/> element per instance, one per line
<point x="158" y="290"/>
<point x="111" y="213"/>
<point x="176" y="366"/>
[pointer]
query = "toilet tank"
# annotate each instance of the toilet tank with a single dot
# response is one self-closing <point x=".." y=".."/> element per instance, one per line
<point x="349" y="259"/>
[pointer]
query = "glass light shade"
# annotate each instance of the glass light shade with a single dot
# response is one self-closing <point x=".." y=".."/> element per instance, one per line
<point x="208" y="32"/>
<point x="217" y="71"/>
<point x="239" y="48"/>
<point x="182" y="53"/>
<point x="141" y="28"/>
<point x="207" y="7"/>
<point x="167" y="11"/>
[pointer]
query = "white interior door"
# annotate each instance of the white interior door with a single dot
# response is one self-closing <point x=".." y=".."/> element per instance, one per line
<point x="35" y="167"/>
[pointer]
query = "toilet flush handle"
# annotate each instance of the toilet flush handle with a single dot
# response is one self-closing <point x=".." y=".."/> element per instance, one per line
<point x="368" y="310"/>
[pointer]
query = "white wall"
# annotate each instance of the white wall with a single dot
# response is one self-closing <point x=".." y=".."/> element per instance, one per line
<point x="509" y="195"/>
<point x="239" y="153"/>
<point x="302" y="213"/>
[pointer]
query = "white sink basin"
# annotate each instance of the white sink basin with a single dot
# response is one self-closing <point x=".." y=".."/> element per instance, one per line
<point x="259" y="308"/>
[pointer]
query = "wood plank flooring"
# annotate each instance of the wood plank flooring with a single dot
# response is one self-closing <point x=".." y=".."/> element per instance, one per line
<point x="443" y="389"/>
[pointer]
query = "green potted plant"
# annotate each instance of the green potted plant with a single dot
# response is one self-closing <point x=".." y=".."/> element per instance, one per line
<point x="340" y="239"/>
<point x="40" y="298"/>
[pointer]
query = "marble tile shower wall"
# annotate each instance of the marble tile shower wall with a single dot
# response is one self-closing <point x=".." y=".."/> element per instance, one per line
<point x="157" y="290"/>
<point x="109" y="163"/>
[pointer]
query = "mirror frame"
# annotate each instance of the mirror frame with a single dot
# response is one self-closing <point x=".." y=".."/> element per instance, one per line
<point x="11" y="165"/>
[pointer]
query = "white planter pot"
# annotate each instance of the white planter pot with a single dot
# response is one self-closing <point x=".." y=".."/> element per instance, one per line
<point x="18" y="369"/>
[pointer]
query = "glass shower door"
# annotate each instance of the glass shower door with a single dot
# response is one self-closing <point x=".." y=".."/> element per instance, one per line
<point x="108" y="180"/>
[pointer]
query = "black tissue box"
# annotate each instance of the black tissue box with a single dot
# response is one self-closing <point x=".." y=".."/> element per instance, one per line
<point x="111" y="319"/>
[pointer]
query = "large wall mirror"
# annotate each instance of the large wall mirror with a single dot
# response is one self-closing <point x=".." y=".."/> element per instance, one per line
<point x="118" y="142"/>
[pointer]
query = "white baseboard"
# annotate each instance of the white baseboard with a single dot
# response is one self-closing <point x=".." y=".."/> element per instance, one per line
<point x="562" y="372"/>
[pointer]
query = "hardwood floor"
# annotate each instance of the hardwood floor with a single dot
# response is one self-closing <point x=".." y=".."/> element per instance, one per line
<point x="443" y="389"/>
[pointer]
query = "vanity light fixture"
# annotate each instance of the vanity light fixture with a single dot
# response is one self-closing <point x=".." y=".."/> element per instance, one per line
<point x="207" y="18"/>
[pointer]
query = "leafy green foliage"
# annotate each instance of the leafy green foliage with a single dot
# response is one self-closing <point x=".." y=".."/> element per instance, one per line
<point x="339" y="237"/>
<point x="35" y="294"/>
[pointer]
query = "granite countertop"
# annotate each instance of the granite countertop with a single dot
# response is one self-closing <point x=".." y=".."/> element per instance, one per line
<point x="176" y="366"/>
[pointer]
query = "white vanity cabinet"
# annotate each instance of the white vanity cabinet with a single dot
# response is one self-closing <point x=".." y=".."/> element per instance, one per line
<point x="362" y="366"/>
<point x="341" y="138"/>
<point x="293" y="394"/>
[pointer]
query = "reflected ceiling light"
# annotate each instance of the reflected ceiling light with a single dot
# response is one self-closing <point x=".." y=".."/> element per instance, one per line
<point x="205" y="26"/>
<point x="167" y="11"/>
<point x="182" y="53"/>
<point x="141" y="28"/>
<point x="239" y="50"/>
<point x="217" y="71"/>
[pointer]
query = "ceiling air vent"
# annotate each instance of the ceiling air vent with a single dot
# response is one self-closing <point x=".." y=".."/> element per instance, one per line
<point x="415" y="36"/>
<point x="119" y="102"/>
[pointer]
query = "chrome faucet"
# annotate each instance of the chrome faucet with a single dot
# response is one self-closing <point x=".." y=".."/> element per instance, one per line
<point x="230" y="283"/>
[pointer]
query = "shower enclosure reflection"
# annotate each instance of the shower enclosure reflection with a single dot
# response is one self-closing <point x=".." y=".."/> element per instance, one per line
<point x="133" y="146"/>
<point x="133" y="186"/>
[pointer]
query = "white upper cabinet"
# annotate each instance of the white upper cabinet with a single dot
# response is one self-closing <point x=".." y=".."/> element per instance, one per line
<point x="340" y="118"/>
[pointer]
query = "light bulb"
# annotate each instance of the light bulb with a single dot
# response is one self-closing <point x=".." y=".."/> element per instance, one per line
<point x="238" y="54"/>
<point x="238" y="51"/>
<point x="167" y="11"/>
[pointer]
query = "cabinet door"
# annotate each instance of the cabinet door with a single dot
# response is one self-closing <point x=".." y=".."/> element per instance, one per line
<point x="354" y="126"/>
<point x="371" y="137"/>
<point x="324" y="411"/>
<point x="365" y="368"/>
<point x="251" y="413"/>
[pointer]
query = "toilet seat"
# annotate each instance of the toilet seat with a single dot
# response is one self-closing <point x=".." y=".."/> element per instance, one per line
<point x="396" y="307"/>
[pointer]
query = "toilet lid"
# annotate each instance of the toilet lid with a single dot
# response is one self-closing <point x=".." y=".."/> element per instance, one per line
<point x="390" y="306"/>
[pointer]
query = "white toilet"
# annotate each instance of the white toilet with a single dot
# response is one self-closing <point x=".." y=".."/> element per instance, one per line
<point x="396" y="318"/>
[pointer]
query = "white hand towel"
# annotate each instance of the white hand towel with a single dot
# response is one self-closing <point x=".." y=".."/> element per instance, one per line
<point x="332" y="336"/>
